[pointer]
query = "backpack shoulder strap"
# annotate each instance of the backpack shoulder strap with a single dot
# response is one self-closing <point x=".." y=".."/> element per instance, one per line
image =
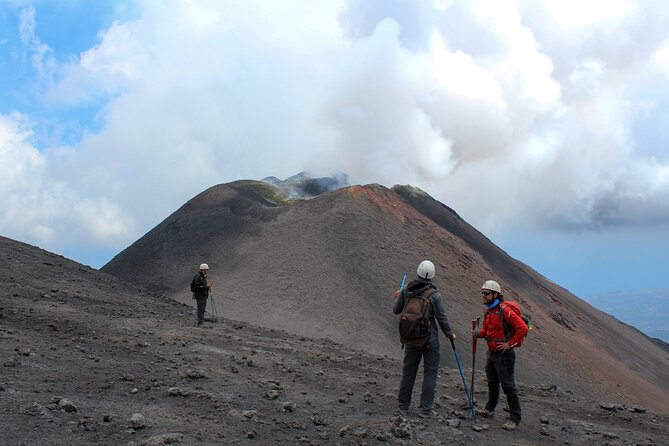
<point x="422" y="296"/>
<point x="429" y="292"/>
<point x="505" y="324"/>
<point x="426" y="295"/>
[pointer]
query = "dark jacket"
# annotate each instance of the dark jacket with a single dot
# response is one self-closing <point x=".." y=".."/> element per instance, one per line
<point x="493" y="329"/>
<point x="200" y="286"/>
<point x="435" y="312"/>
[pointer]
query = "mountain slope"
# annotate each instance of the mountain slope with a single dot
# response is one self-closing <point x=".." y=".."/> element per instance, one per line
<point x="90" y="359"/>
<point x="326" y="267"/>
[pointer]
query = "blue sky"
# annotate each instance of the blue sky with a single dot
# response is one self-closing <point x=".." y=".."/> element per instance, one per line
<point x="542" y="123"/>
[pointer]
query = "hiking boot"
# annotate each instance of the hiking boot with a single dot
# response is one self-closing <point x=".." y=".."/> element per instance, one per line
<point x="485" y="413"/>
<point x="510" y="426"/>
<point x="427" y="413"/>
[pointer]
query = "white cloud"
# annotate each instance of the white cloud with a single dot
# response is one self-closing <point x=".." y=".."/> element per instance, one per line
<point x="525" y="107"/>
<point x="102" y="71"/>
<point x="40" y="208"/>
<point x="42" y="56"/>
<point x="571" y="14"/>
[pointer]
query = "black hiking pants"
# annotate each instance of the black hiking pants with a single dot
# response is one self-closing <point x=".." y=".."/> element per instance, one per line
<point x="412" y="357"/>
<point x="201" y="307"/>
<point x="499" y="370"/>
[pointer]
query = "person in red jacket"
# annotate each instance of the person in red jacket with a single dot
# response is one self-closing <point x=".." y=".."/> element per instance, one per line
<point x="503" y="330"/>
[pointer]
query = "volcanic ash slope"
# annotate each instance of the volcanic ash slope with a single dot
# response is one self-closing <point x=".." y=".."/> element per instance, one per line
<point x="325" y="267"/>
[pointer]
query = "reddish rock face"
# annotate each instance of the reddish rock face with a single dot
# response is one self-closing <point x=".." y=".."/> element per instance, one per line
<point x="326" y="267"/>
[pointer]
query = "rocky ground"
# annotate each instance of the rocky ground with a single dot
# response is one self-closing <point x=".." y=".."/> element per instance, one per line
<point x="88" y="359"/>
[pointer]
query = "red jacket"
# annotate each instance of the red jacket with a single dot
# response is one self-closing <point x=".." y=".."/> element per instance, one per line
<point x="493" y="330"/>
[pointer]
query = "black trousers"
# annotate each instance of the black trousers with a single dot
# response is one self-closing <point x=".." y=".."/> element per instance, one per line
<point x="201" y="307"/>
<point x="499" y="369"/>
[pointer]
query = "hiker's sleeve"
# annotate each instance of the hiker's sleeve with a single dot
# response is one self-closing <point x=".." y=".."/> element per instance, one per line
<point x="440" y="315"/>
<point x="399" y="303"/>
<point x="483" y="332"/>
<point x="520" y="329"/>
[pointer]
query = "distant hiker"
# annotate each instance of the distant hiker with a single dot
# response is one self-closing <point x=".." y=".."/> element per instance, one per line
<point x="504" y="330"/>
<point x="201" y="289"/>
<point x="420" y="295"/>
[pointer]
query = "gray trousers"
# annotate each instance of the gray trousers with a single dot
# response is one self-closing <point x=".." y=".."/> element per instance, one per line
<point x="412" y="358"/>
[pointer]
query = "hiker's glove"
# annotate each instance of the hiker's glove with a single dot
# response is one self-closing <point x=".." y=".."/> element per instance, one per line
<point x="476" y="333"/>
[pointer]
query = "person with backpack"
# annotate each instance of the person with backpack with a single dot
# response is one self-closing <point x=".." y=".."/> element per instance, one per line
<point x="419" y="304"/>
<point x="504" y="330"/>
<point x="201" y="288"/>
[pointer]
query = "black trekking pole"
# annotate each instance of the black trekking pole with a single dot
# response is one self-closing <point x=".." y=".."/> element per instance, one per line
<point x="475" y="423"/>
<point x="475" y="326"/>
<point x="404" y="277"/>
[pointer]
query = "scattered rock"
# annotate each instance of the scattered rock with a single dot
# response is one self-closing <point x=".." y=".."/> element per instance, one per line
<point x="453" y="422"/>
<point x="400" y="427"/>
<point x="137" y="421"/>
<point x="24" y="351"/>
<point x="88" y="424"/>
<point x="272" y="394"/>
<point x="610" y="406"/>
<point x="67" y="405"/>
<point x="163" y="439"/>
<point x="195" y="374"/>
<point x="34" y="409"/>
<point x="174" y="391"/>
<point x="544" y="420"/>
<point x="318" y="421"/>
<point x="289" y="406"/>
<point x="383" y="437"/>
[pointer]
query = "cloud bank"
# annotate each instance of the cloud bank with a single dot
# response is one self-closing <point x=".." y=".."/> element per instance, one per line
<point x="542" y="113"/>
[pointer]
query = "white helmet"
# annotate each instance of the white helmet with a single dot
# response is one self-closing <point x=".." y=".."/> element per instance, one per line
<point x="492" y="286"/>
<point x="204" y="266"/>
<point x="425" y="270"/>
